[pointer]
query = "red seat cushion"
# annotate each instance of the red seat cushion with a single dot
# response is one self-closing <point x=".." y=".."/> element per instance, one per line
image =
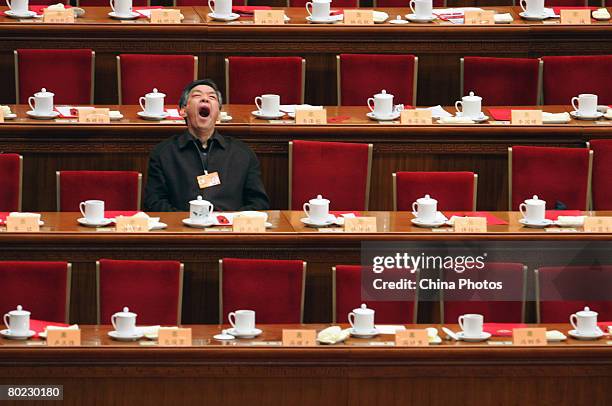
<point x="358" y="82"/>
<point x="566" y="290"/>
<point x="336" y="170"/>
<point x="64" y="72"/>
<point x="169" y="74"/>
<point x="151" y="289"/>
<point x="348" y="297"/>
<point x="40" y="287"/>
<point x="497" y="306"/>
<point x="118" y="189"/>
<point x="502" y="81"/>
<point x="252" y="76"/>
<point x="272" y="288"/>
<point x="10" y="182"/>
<point x="602" y="173"/>
<point x="569" y="76"/>
<point x="452" y="190"/>
<point x="553" y="174"/>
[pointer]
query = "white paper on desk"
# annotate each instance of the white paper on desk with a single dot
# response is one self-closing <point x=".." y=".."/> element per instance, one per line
<point x="147" y="329"/>
<point x="65" y="110"/>
<point x="146" y="12"/>
<point x="549" y="12"/>
<point x="389" y="329"/>
<point x="290" y="108"/>
<point x="173" y="112"/>
<point x="460" y="20"/>
<point x="437" y="111"/>
<point x="454" y="11"/>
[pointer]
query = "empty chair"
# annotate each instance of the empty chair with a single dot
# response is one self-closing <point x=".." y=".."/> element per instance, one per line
<point x="247" y="77"/>
<point x="11" y="182"/>
<point x="454" y="191"/>
<point x="139" y="74"/>
<point x="560" y="176"/>
<point x="602" y="173"/>
<point x="151" y="289"/>
<point x="68" y="73"/>
<point x="569" y="76"/>
<point x="338" y="171"/>
<point x="42" y="288"/>
<point x="120" y="190"/>
<point x="358" y="78"/>
<point x="346" y="282"/>
<point x="563" y="290"/>
<point x="502" y="81"/>
<point x="506" y="305"/>
<point x="274" y="289"/>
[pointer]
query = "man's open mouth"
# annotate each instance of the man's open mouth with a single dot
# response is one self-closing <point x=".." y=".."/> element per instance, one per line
<point x="204" y="111"/>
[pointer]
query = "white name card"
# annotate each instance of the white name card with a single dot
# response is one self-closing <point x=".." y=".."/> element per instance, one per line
<point x="360" y="225"/>
<point x="470" y="225"/>
<point x="526" y="117"/>
<point x="131" y="224"/>
<point x="575" y="17"/>
<point x="174" y="337"/>
<point x="22" y="224"/>
<point x="472" y="17"/>
<point x="412" y="338"/>
<point x="1" y="116"/>
<point x="63" y="338"/>
<point x="269" y="17"/>
<point x="244" y="224"/>
<point x="415" y="117"/>
<point x="311" y="117"/>
<point x="529" y="336"/>
<point x="299" y="338"/>
<point x="94" y="116"/>
<point x="598" y="224"/>
<point x="358" y="17"/>
<point x="65" y="16"/>
<point x="165" y="16"/>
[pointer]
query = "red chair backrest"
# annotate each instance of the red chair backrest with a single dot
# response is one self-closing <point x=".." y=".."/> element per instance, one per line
<point x="569" y="76"/>
<point x="120" y="190"/>
<point x="10" y="182"/>
<point x="602" y="174"/>
<point x="454" y="191"/>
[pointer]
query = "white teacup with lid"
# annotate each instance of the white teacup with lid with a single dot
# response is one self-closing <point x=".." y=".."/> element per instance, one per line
<point x="318" y="9"/>
<point x="18" y="7"/>
<point x="124" y="322"/>
<point x="362" y="319"/>
<point x="425" y="208"/>
<point x="121" y="8"/>
<point x="533" y="210"/>
<point x="471" y="106"/>
<point x="17" y="321"/>
<point x="153" y="103"/>
<point x="585" y="321"/>
<point x="381" y="104"/>
<point x="43" y="102"/>
<point x="200" y="210"/>
<point x="317" y="209"/>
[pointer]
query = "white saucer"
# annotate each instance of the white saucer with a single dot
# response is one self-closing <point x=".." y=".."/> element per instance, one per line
<point x="27" y="14"/>
<point x="5" y="333"/>
<point x="328" y="20"/>
<point x="244" y="334"/>
<point x="481" y="119"/>
<point x="364" y="334"/>
<point x="49" y="116"/>
<point x="542" y="224"/>
<point x="307" y="221"/>
<point x="133" y="15"/>
<point x="392" y="117"/>
<point x="260" y="115"/>
<point x="153" y="117"/>
<point x="230" y="17"/>
<point x="529" y="17"/>
<point x="581" y="336"/>
<point x="415" y="19"/>
<point x="158" y="226"/>
<point x="380" y="17"/>
<point x="83" y="221"/>
<point x="483" y="337"/>
<point x="578" y="116"/>
<point x="10" y="116"/>
<point x="225" y="119"/>
<point x="198" y="224"/>
<point x="115" y="117"/>
<point x="131" y="337"/>
<point x="398" y="21"/>
<point x="569" y="224"/>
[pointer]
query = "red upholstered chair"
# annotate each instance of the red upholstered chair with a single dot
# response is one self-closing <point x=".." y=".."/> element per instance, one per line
<point x="452" y="190"/>
<point x="42" y="288"/>
<point x="247" y="77"/>
<point x="105" y="3"/>
<point x="120" y="190"/>
<point x="335" y="3"/>
<point x="346" y="282"/>
<point x="68" y="73"/>
<point x="561" y="291"/>
<point x="569" y="76"/>
<point x="502" y="81"/>
<point x="602" y="173"/>
<point x="151" y="289"/>
<point x="139" y="74"/>
<point x="357" y="80"/>
<point x="11" y="182"/>
<point x="338" y="171"/>
<point x="274" y="289"/>
<point x="497" y="306"/>
<point x="404" y="3"/>
<point x="553" y="174"/>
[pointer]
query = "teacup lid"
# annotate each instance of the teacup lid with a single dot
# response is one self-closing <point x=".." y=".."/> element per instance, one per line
<point x="19" y="312"/>
<point x="426" y="200"/>
<point x="363" y="310"/>
<point x="535" y="201"/>
<point x="586" y="312"/>
<point x="43" y="93"/>
<point x="471" y="97"/>
<point x="125" y="313"/>
<point x="155" y="93"/>
<point x="200" y="202"/>
<point x="383" y="95"/>
<point x="318" y="200"/>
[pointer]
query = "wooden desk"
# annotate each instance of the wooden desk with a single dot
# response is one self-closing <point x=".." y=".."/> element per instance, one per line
<point x="355" y="373"/>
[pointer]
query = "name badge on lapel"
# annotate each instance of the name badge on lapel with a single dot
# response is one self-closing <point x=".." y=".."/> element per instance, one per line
<point x="208" y="180"/>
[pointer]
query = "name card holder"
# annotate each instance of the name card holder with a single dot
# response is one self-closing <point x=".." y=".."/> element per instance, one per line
<point x="529" y="336"/>
<point x="412" y="338"/>
<point x="575" y="17"/>
<point x="299" y="338"/>
<point x="484" y="17"/>
<point x="22" y="224"/>
<point x="94" y="115"/>
<point x="127" y="224"/>
<point x="243" y="224"/>
<point x="63" y="338"/>
<point x="174" y="337"/>
<point x="358" y="17"/>
<point x="65" y="16"/>
<point x="526" y="117"/>
<point x="269" y="17"/>
<point x="470" y="225"/>
<point x="165" y="16"/>
<point x="598" y="224"/>
<point x="311" y="117"/>
<point x="416" y="117"/>
<point x="360" y="225"/>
